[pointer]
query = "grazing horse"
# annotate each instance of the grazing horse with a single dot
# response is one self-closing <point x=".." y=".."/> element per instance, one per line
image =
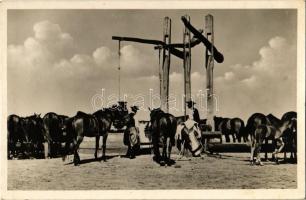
<point x="224" y="125"/>
<point x="17" y="138"/>
<point x="254" y="121"/>
<point x="38" y="136"/>
<point x="70" y="136"/>
<point x="163" y="126"/>
<point x="95" y="125"/>
<point x="273" y="129"/>
<point x="54" y="124"/>
<point x="238" y="129"/>
<point x="290" y="135"/>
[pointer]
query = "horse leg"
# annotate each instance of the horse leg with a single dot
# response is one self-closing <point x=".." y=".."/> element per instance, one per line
<point x="104" y="146"/>
<point x="76" y="159"/>
<point x="266" y="152"/>
<point x="294" y="150"/>
<point x="252" y="150"/>
<point x="169" y="148"/>
<point x="97" y="147"/>
<point x="157" y="156"/>
<point x="227" y="138"/>
<point x="164" y="153"/>
<point x="233" y="133"/>
<point x="239" y="136"/>
<point x="258" y="160"/>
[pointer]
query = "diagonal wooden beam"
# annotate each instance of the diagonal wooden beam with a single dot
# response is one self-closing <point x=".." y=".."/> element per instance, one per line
<point x="217" y="55"/>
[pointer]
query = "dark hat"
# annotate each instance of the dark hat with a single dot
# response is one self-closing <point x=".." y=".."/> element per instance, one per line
<point x="134" y="108"/>
<point x="190" y="103"/>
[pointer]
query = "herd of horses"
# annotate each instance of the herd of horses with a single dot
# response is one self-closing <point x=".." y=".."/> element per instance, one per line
<point x="53" y="135"/>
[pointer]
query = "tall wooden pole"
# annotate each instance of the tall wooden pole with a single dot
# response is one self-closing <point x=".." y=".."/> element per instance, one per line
<point x="119" y="68"/>
<point x="187" y="65"/>
<point x="209" y="33"/>
<point x="165" y="66"/>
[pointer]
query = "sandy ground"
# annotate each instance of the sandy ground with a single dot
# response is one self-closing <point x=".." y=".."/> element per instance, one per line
<point x="231" y="171"/>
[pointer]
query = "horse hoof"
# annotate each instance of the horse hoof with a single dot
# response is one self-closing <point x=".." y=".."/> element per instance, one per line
<point x="162" y="163"/>
<point x="259" y="163"/>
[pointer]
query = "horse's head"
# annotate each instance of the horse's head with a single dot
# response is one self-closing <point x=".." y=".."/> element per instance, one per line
<point x="217" y="120"/>
<point x="294" y="125"/>
<point x="155" y="113"/>
<point x="108" y="114"/>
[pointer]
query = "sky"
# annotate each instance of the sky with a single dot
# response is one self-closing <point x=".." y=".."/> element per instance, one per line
<point x="65" y="60"/>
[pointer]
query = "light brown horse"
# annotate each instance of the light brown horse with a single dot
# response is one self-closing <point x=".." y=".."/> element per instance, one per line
<point x="273" y="129"/>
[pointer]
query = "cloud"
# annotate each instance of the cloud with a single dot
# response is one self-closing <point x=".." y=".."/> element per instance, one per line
<point x="46" y="68"/>
<point x="267" y="85"/>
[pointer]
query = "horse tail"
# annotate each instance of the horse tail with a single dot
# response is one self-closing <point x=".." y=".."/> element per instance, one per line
<point x="168" y="126"/>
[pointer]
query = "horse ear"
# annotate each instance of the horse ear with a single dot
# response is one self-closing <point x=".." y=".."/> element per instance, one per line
<point x="149" y="109"/>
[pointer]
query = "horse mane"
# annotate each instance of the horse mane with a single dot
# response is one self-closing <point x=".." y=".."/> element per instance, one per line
<point x="273" y="120"/>
<point x="50" y="113"/>
<point x="104" y="112"/>
<point x="289" y="115"/>
<point x="156" y="113"/>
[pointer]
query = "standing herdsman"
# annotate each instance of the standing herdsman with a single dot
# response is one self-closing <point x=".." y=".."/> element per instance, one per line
<point x="131" y="134"/>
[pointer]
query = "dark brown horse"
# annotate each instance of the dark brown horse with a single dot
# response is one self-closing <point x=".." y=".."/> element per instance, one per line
<point x="163" y="126"/>
<point x="224" y="125"/>
<point x="238" y="129"/>
<point x="18" y="141"/>
<point x="54" y="125"/>
<point x="92" y="125"/>
<point x="290" y="135"/>
<point x="38" y="136"/>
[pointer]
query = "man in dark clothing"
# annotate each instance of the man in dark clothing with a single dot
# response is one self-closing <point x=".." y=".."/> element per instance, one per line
<point x="195" y="112"/>
<point x="131" y="134"/>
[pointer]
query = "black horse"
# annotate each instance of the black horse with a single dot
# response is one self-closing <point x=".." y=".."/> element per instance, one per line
<point x="54" y="125"/>
<point x="224" y="125"/>
<point x="290" y="135"/>
<point x="69" y="135"/>
<point x="238" y="129"/>
<point x="163" y="126"/>
<point x="18" y="141"/>
<point x="92" y="125"/>
<point x="39" y="138"/>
